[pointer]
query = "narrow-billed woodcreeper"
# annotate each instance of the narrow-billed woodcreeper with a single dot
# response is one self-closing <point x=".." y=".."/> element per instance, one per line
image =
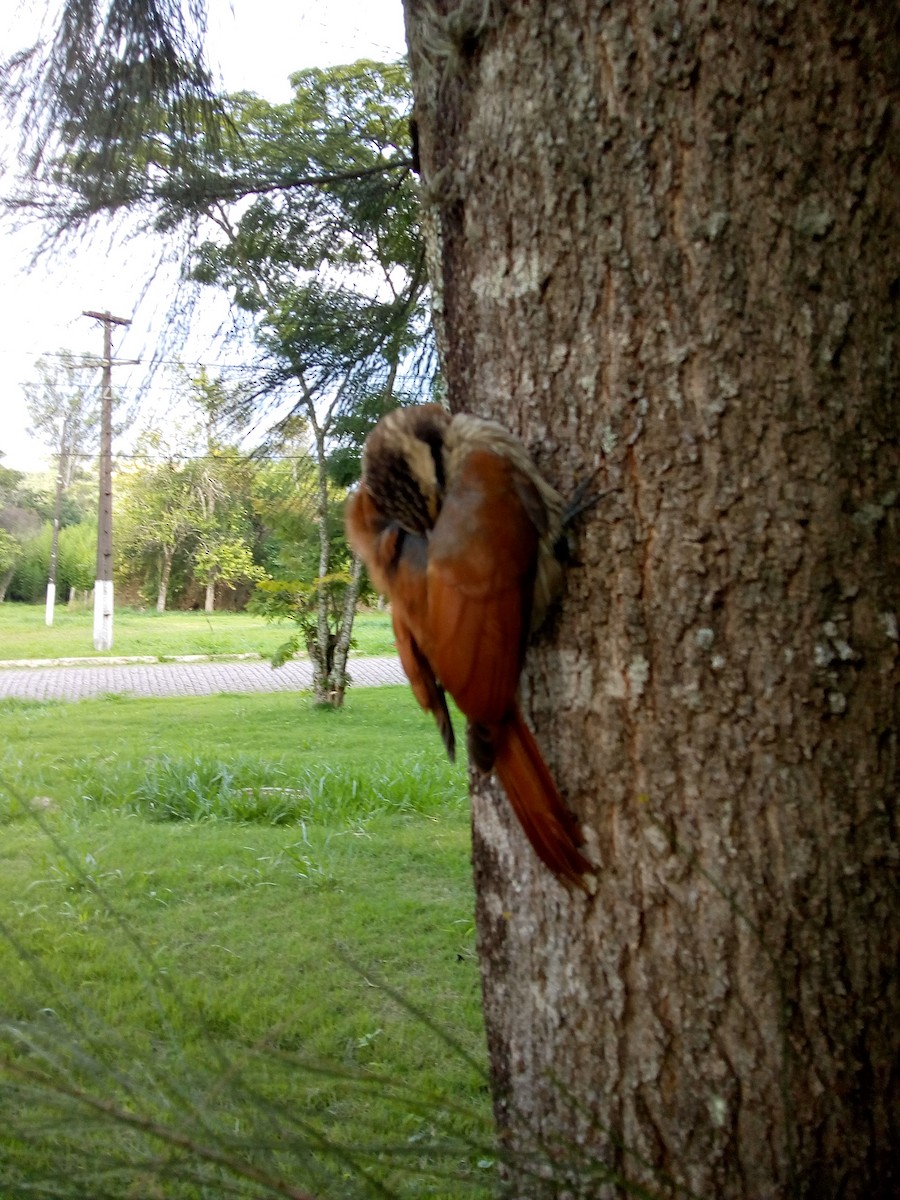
<point x="460" y="531"/>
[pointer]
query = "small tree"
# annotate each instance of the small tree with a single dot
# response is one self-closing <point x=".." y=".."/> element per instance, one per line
<point x="220" y="559"/>
<point x="333" y="280"/>
<point x="62" y="405"/>
<point x="157" y="512"/>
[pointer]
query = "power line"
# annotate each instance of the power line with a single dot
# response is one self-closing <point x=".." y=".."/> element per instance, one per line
<point x="154" y="362"/>
<point x="250" y="456"/>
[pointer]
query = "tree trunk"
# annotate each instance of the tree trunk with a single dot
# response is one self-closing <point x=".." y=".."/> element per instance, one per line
<point x="339" y="677"/>
<point x="669" y="244"/>
<point x="209" y="604"/>
<point x="166" y="571"/>
<point x="321" y="672"/>
<point x="61" y="472"/>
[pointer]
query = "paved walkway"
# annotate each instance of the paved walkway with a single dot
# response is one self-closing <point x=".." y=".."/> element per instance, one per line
<point x="92" y="677"/>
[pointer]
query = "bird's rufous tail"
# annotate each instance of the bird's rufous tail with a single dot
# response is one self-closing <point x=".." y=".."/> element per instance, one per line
<point x="551" y="828"/>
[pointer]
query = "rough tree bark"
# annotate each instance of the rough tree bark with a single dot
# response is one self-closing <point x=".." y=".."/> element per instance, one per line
<point x="669" y="239"/>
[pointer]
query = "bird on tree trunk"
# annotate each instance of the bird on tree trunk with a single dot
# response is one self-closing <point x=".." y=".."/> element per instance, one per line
<point x="461" y="532"/>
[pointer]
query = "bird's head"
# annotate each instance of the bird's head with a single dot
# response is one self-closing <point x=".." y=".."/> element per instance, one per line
<point x="403" y="465"/>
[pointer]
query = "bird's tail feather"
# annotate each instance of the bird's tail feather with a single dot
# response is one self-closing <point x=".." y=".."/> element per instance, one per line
<point x="551" y="828"/>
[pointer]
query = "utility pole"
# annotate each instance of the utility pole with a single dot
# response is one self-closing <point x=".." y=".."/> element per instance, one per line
<point x="103" y="584"/>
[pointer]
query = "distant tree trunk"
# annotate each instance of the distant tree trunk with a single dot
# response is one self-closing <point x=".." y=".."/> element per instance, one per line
<point x="61" y="472"/>
<point x="324" y="652"/>
<point x="670" y="237"/>
<point x="164" y="574"/>
<point x="5" y="581"/>
<point x="208" y="495"/>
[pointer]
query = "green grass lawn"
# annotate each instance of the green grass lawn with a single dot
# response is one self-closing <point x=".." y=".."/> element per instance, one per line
<point x="23" y="633"/>
<point x="237" y="952"/>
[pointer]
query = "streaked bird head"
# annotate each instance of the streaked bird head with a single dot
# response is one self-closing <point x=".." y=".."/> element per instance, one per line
<point x="403" y="465"/>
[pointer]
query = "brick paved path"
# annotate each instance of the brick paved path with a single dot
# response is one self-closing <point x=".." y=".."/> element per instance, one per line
<point x="180" y="678"/>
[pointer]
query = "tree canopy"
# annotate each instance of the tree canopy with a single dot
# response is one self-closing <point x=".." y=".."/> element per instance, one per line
<point x="331" y="276"/>
<point x="109" y="106"/>
<point x="64" y="409"/>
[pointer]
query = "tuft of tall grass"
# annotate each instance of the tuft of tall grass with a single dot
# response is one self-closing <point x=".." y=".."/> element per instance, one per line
<point x="245" y="788"/>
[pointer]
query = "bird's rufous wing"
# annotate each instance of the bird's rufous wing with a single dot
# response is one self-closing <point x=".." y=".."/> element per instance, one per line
<point x="408" y="602"/>
<point x="396" y="561"/>
<point x="481" y="562"/>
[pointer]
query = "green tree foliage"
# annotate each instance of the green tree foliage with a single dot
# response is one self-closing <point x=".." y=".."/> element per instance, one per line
<point x="9" y="480"/>
<point x="156" y="516"/>
<point x="75" y="569"/>
<point x="332" y="277"/>
<point x="284" y="511"/>
<point x="10" y="549"/>
<point x="22" y="504"/>
<point x="20" y="521"/>
<point x="187" y="501"/>
<point x="78" y="556"/>
<point x="239" y="518"/>
<point x="66" y="418"/>
<point x="10" y="552"/>
<point x="334" y="272"/>
<point x="220" y="559"/>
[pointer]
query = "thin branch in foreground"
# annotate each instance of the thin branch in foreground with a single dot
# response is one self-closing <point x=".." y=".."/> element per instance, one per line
<point x="155" y="1129"/>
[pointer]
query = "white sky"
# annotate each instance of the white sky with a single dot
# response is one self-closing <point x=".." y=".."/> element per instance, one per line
<point x="257" y="45"/>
